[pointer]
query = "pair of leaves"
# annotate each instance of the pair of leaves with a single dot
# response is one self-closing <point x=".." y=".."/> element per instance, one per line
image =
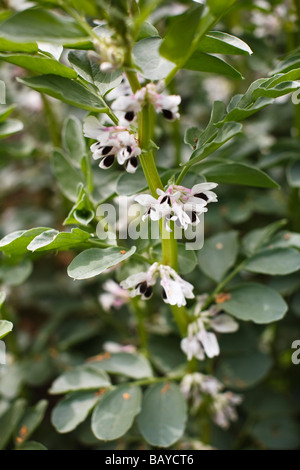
<point x="114" y="411"/>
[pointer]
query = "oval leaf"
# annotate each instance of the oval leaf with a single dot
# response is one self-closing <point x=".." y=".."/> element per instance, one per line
<point x="94" y="261"/>
<point x="255" y="302"/>
<point x="114" y="414"/>
<point x="279" y="261"/>
<point x="163" y="416"/>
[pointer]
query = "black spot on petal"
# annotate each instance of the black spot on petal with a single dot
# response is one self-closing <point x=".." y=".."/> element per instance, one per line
<point x="142" y="287"/>
<point x="148" y="292"/>
<point x="167" y="114"/>
<point x="106" y="150"/>
<point x="163" y="293"/>
<point x="108" y="161"/>
<point x="129" y="116"/>
<point x="201" y="196"/>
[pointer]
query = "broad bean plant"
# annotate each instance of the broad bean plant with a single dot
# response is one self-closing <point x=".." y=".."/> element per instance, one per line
<point x="150" y="225"/>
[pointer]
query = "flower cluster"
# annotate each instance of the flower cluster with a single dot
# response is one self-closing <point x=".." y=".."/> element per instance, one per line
<point x="175" y="290"/>
<point x="196" y="387"/>
<point x="180" y="204"/>
<point x="113" y="142"/>
<point x="130" y="105"/>
<point x="199" y="340"/>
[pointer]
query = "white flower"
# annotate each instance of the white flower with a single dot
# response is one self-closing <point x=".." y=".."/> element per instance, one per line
<point x="112" y="347"/>
<point x="141" y="283"/>
<point x="131" y="105"/>
<point x="175" y="290"/>
<point x="113" y="142"/>
<point x="200" y="340"/>
<point x="222" y="404"/>
<point x="179" y="204"/>
<point x="114" y="297"/>
<point x="223" y="408"/>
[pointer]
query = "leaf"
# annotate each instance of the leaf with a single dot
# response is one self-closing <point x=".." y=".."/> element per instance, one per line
<point x="196" y="138"/>
<point x="11" y="46"/>
<point x="6" y="112"/>
<point x="147" y="58"/>
<point x="90" y="71"/>
<point x="218" y="254"/>
<point x="254" y="240"/>
<point x="201" y="62"/>
<point x="68" y="177"/>
<point x="66" y="90"/>
<point x="32" y="445"/>
<point x="9" y="421"/>
<point x="224" y="134"/>
<point x="10" y="127"/>
<point x="73" y="410"/>
<point x="218" y="7"/>
<point x="95" y="261"/>
<point x="222" y="43"/>
<point x="39" y="64"/>
<point x="30" y="421"/>
<point x="83" y="377"/>
<point x="276" y="91"/>
<point x="36" y="24"/>
<point x="13" y="274"/>
<point x="238" y="174"/>
<point x="5" y="328"/>
<point x="54" y="240"/>
<point x="114" y="414"/>
<point x="163" y="417"/>
<point x="16" y="243"/>
<point x="293" y="174"/>
<point x="274" y="261"/>
<point x="255" y="302"/>
<point x="134" y="366"/>
<point x="245" y="370"/>
<point x="180" y="34"/>
<point x="73" y="140"/>
<point x="277" y="432"/>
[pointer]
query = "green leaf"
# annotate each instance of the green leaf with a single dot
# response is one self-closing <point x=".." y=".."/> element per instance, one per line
<point x="84" y="377"/>
<point x="224" y="134"/>
<point x="276" y="91"/>
<point x="146" y="30"/>
<point x="5" y="328"/>
<point x="196" y="138"/>
<point x="95" y="261"/>
<point x="55" y="240"/>
<point x="114" y="414"/>
<point x="39" y="63"/>
<point x="150" y="63"/>
<point x="10" y="419"/>
<point x="274" y="261"/>
<point x="238" y="112"/>
<point x="73" y="140"/>
<point x="10" y="127"/>
<point x="11" y="46"/>
<point x="163" y="416"/>
<point x="219" y="7"/>
<point x="277" y="433"/>
<point x="73" y="410"/>
<point x="13" y="274"/>
<point x="82" y="211"/>
<point x="68" y="177"/>
<point x="201" y="62"/>
<point x="66" y="90"/>
<point x="30" y="421"/>
<point x="254" y="240"/>
<point x="16" y="243"/>
<point x="91" y="72"/>
<point x="217" y="42"/>
<point x="238" y="174"/>
<point x="293" y="174"/>
<point x="245" y="370"/>
<point x="36" y="24"/>
<point x="135" y="366"/>
<point x="32" y="445"/>
<point x="255" y="302"/>
<point x="6" y="112"/>
<point x="180" y="34"/>
<point x="218" y="254"/>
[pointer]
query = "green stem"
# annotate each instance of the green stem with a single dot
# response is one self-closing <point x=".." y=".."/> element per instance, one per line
<point x="139" y="314"/>
<point x="223" y="284"/>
